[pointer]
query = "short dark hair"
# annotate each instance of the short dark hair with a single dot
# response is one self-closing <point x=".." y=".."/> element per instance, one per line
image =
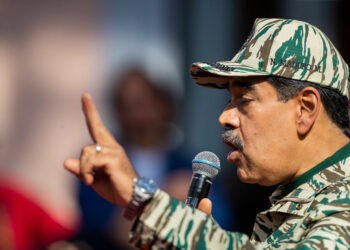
<point x="335" y="104"/>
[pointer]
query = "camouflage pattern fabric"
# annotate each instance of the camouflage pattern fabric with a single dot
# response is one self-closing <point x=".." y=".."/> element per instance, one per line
<point x="312" y="212"/>
<point x="280" y="47"/>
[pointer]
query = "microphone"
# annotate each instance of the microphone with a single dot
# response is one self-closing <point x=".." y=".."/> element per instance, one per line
<point x="205" y="166"/>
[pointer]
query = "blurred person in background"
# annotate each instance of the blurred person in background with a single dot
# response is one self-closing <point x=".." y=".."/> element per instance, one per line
<point x="145" y="114"/>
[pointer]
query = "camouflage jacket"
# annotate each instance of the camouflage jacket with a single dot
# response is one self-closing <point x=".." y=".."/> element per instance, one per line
<point x="312" y="212"/>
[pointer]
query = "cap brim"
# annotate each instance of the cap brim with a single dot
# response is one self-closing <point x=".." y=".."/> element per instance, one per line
<point x="215" y="75"/>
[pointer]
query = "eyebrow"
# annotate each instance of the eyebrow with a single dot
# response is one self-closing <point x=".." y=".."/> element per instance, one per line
<point x="244" y="84"/>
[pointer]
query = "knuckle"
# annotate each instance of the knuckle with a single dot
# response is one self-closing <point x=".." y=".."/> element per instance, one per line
<point x="111" y="150"/>
<point x="118" y="149"/>
<point x="88" y="150"/>
<point x="85" y="150"/>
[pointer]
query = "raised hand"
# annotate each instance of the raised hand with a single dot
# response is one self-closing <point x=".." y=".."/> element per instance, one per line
<point x="107" y="169"/>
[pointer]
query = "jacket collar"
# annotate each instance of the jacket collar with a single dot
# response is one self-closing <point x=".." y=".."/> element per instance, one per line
<point x="297" y="196"/>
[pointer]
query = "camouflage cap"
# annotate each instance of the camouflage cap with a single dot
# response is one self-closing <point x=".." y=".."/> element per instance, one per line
<point x="280" y="47"/>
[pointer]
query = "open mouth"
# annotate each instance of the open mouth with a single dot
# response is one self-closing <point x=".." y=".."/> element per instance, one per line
<point x="235" y="144"/>
<point x="234" y="153"/>
<point x="231" y="140"/>
<point x="232" y="146"/>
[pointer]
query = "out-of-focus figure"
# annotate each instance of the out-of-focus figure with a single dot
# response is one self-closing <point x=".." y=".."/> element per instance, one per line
<point x="144" y="111"/>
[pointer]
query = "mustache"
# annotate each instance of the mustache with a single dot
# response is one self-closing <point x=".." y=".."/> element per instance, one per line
<point x="228" y="136"/>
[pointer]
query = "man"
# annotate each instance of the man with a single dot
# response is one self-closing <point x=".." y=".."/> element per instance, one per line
<point x="287" y="123"/>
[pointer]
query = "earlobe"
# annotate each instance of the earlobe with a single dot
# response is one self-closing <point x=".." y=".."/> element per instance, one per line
<point x="309" y="108"/>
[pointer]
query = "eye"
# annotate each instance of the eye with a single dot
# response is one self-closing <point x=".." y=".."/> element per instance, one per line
<point x="244" y="100"/>
<point x="240" y="101"/>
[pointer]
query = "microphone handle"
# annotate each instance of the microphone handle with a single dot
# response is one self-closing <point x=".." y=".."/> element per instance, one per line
<point x="199" y="189"/>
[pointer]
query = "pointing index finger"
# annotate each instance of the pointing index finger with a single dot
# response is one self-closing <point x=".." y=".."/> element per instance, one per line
<point x="99" y="134"/>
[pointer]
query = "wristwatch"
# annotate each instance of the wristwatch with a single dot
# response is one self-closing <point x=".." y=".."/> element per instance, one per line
<point x="144" y="189"/>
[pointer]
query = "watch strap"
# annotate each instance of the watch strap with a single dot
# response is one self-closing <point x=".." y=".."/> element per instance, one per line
<point x="140" y="198"/>
<point x="133" y="209"/>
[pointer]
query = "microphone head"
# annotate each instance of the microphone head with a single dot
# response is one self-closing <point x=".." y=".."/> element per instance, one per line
<point x="206" y="163"/>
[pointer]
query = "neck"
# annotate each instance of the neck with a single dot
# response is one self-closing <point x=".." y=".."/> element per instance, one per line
<point x="320" y="144"/>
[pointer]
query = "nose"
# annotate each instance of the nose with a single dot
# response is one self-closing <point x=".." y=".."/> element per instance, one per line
<point x="229" y="118"/>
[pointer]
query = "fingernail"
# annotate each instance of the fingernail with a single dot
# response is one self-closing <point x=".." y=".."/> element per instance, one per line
<point x="88" y="95"/>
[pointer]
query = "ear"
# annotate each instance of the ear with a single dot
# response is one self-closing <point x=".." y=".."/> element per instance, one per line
<point x="309" y="108"/>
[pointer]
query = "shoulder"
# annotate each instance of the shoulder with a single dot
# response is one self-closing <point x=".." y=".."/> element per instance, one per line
<point x="333" y="199"/>
<point x="336" y="192"/>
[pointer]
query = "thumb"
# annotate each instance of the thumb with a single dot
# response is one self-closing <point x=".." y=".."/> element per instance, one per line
<point x="205" y="206"/>
<point x="73" y="166"/>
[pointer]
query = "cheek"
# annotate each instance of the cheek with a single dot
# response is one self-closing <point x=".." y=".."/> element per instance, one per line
<point x="270" y="130"/>
<point x="266" y="151"/>
<point x="268" y="164"/>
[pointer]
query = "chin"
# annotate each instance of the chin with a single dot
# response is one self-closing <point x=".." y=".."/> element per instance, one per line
<point x="244" y="177"/>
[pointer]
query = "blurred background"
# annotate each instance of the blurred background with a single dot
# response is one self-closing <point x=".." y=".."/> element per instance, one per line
<point x="134" y="58"/>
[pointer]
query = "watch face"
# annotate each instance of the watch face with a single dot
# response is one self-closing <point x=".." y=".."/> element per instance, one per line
<point x="147" y="185"/>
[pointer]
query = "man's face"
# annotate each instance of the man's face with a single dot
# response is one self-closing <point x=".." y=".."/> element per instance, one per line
<point x="261" y="131"/>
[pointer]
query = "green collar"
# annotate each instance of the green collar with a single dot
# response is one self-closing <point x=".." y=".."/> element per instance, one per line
<point x="341" y="154"/>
